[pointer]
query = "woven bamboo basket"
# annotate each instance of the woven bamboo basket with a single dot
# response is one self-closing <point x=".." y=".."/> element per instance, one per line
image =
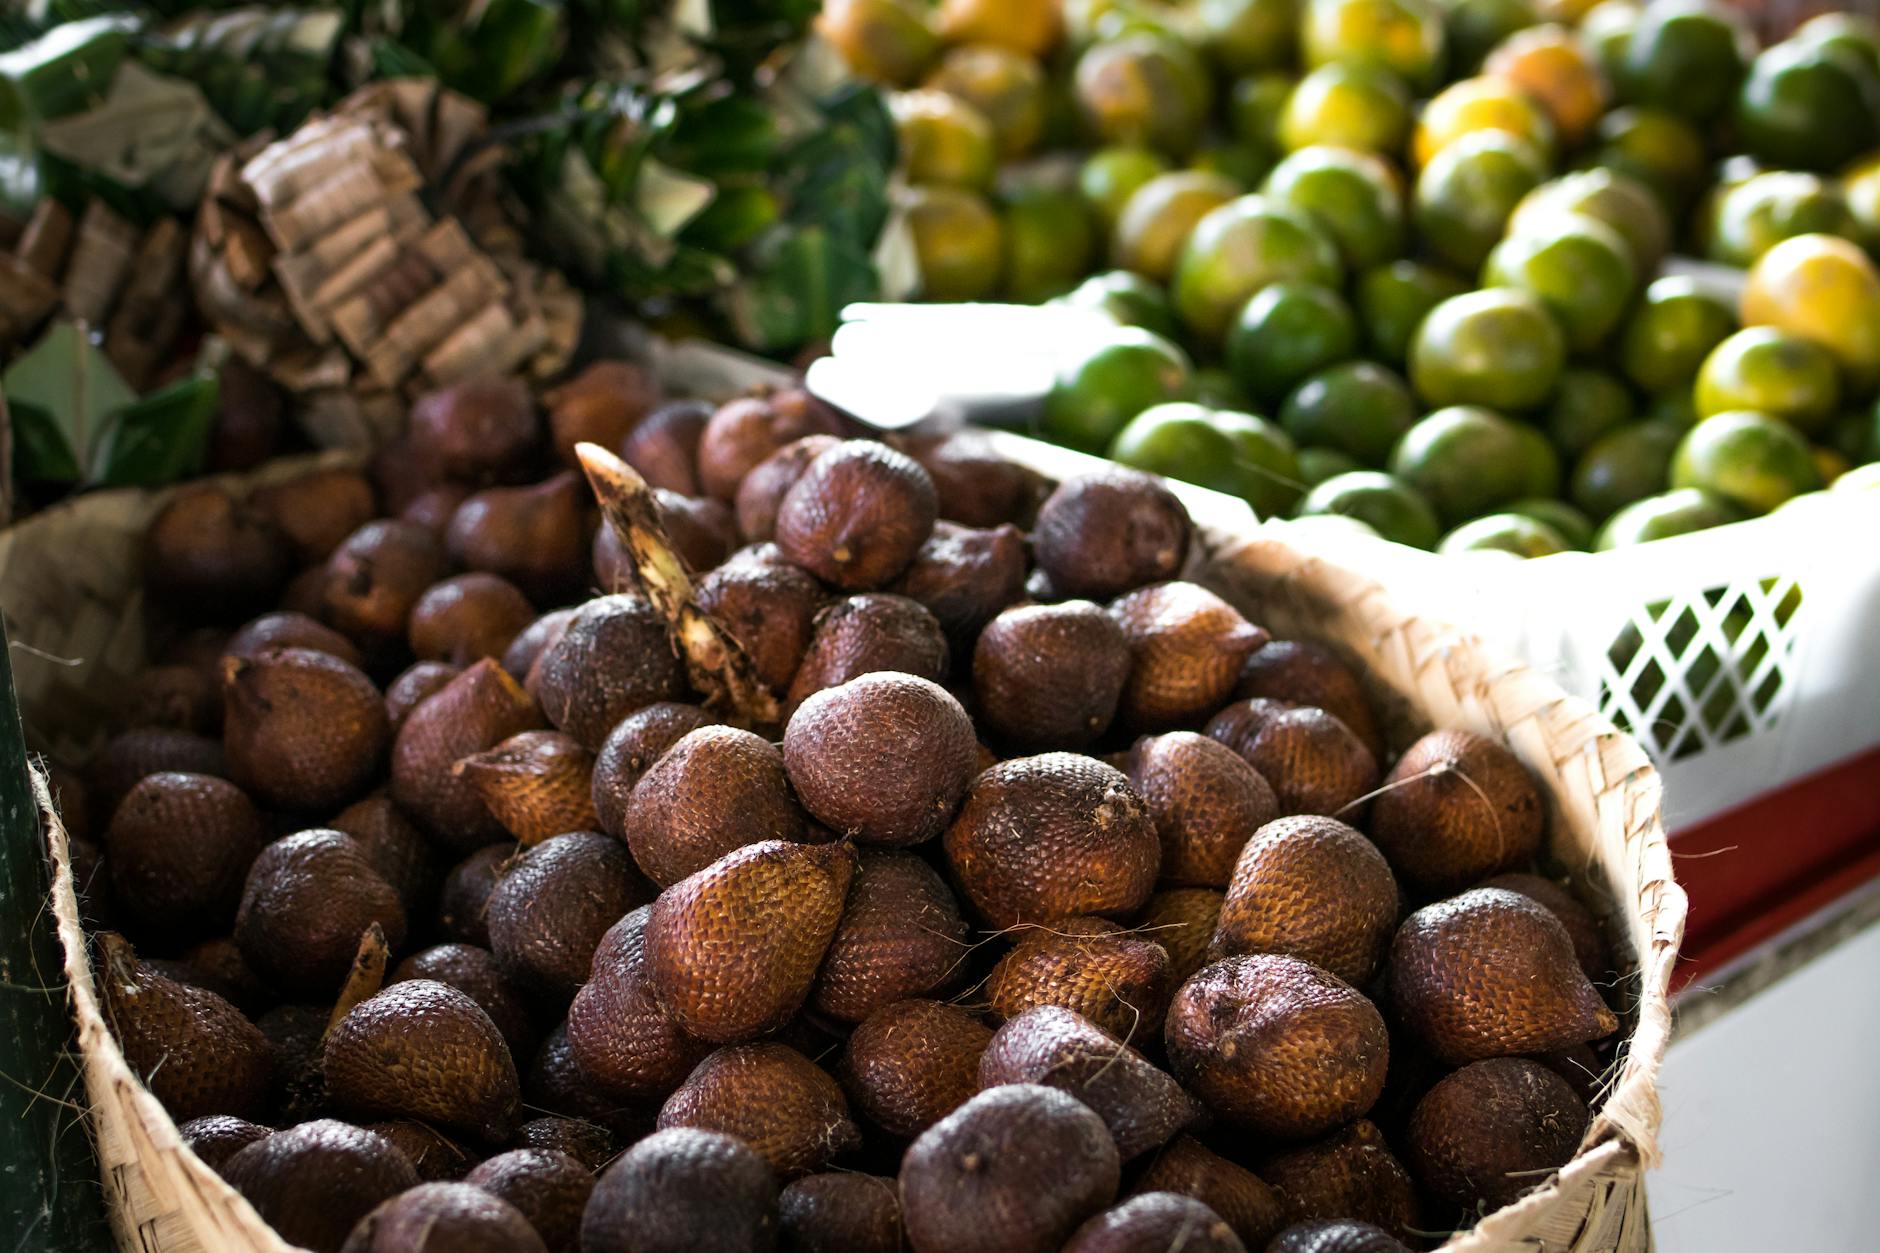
<point x="69" y="580"/>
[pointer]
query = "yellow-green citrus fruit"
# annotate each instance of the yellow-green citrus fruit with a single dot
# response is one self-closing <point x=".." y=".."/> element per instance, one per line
<point x="1496" y="347"/>
<point x="958" y="240"/>
<point x="1157" y="220"/>
<point x="1579" y="268"/>
<point x="1750" y="459"/>
<point x="1241" y="247"/>
<point x="1772" y="372"/>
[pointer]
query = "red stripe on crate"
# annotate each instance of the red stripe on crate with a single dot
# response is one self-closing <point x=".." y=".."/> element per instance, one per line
<point x="1766" y="865"/>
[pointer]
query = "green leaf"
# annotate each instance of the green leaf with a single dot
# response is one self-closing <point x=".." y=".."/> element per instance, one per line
<point x="63" y="392"/>
<point x="161" y="438"/>
<point x="64" y="71"/>
<point x="807" y="278"/>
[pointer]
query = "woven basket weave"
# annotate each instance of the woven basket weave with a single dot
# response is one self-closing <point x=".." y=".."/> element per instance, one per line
<point x="1603" y="797"/>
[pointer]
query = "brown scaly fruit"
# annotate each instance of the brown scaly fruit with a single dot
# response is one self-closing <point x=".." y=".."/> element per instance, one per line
<point x="1153" y="1222"/>
<point x="1044" y="838"/>
<point x="463" y="900"/>
<point x="1583" y="1070"/>
<point x="195" y="1052"/>
<point x="1457" y="808"/>
<point x="1315" y="889"/>
<point x="1491" y="973"/>
<point x="640" y="739"/>
<point x="700" y="530"/>
<point x="434" y="507"/>
<point x="733" y="950"/>
<point x="588" y="1143"/>
<point x="1348" y="1174"/>
<point x="535" y="639"/>
<point x="444" y="1218"/>
<point x="468" y="617"/>
<point x="774" y="1099"/>
<point x="1108" y="532"/>
<point x="614" y="658"/>
<point x="312" y="1183"/>
<point x="549" y="1189"/>
<point x="770" y="609"/>
<point x="182" y="698"/>
<point x="715" y="790"/>
<point x="1277" y="1046"/>
<point x="552" y="905"/>
<point x="861" y="634"/>
<point x="1302" y="672"/>
<point x="477" y="431"/>
<point x="474" y="972"/>
<point x="557" y="1084"/>
<point x="664" y="448"/>
<point x="965" y="577"/>
<point x="883" y="759"/>
<point x="1186" y="647"/>
<point x="1493" y="1130"/>
<point x="681" y="1190"/>
<point x="841" y="1212"/>
<point x="901" y="936"/>
<point x="1242" y="1198"/>
<point x="741" y="434"/>
<point x="434" y="1155"/>
<point x="207" y="557"/>
<point x="618" y="1032"/>
<point x="1118" y="980"/>
<point x="376" y="575"/>
<point x="761" y="493"/>
<point x="601" y="405"/>
<point x="294" y="1033"/>
<point x="537" y="784"/>
<point x="1204" y="798"/>
<point x="1014" y="1170"/>
<point x="537" y="536"/>
<point x="977" y="485"/>
<point x="424" y="1050"/>
<point x="303" y="730"/>
<point x="415" y="683"/>
<point x="1589" y="942"/>
<point x="477" y="710"/>
<point x="214" y="1138"/>
<point x="1315" y="763"/>
<point x="317" y="510"/>
<point x="910" y="1064"/>
<point x="131" y="755"/>
<point x="286" y="629"/>
<point x="1182" y="921"/>
<point x="178" y="850"/>
<point x="1141" y="1105"/>
<point x="1048" y="676"/>
<point x="857" y="515"/>
<point x="1339" y="1235"/>
<point x="308" y="899"/>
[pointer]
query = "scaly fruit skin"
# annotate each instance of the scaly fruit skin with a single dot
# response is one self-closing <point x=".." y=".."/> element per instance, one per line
<point x="869" y="632"/>
<point x="716" y="789"/>
<point x="1142" y="1105"/>
<point x="1153" y="1221"/>
<point x="313" y="1182"/>
<point x="1312" y="888"/>
<point x="548" y="1187"/>
<point x="308" y="899"/>
<point x="1491" y="973"/>
<point x="733" y="950"/>
<point x="774" y="1099"/>
<point x="414" y="685"/>
<point x="1336" y="1236"/>
<point x="178" y="848"/>
<point x="1014" y="1170"/>
<point x="1348" y="1174"/>
<point x="434" y="1155"/>
<point x="614" y="658"/>
<point x="771" y="610"/>
<point x="761" y="493"/>
<point x="1186" y="648"/>
<point x="289" y="629"/>
<point x="396" y="849"/>
<point x="376" y="575"/>
<point x="857" y="515"/>
<point x="1182" y="921"/>
<point x="965" y="576"/>
<point x="1491" y="1131"/>
<point x="631" y="748"/>
<point x="910" y="1064"/>
<point x="588" y="1143"/>
<point x="537" y="784"/>
<point x="1117" y="980"/>
<point x="444" y="1218"/>
<point x="424" y="1050"/>
<point x="841" y="1210"/>
<point x="537" y="537"/>
<point x="741" y="433"/>
<point x="196" y="1052"/>
<point x="303" y="730"/>
<point x="466" y="618"/>
<point x="1050" y="676"/>
<point x="1455" y="809"/>
<point x="1188" y="1167"/>
<point x="550" y="908"/>
<point x="1316" y="764"/>
<point x="1589" y="942"/>
<point x="1301" y="672"/>
<point x="1277" y="1045"/>
<point x="1204" y="798"/>
<point x="1044" y="838"/>
<point x="1110" y="531"/>
<point x="901" y="936"/>
<point x="474" y="972"/>
<point x="214" y="1138"/>
<point x="475" y="711"/>
<point x="616" y="1029"/>
<point x="681" y="1190"/>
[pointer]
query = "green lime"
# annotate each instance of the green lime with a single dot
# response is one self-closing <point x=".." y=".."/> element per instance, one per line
<point x="1625" y="465"/>
<point x="1256" y="105"/>
<point x="1402" y="36"/>
<point x="1771" y="372"/>
<point x="1050" y="240"/>
<point x="1579" y="268"/>
<point x="1671" y="513"/>
<point x="1347" y="105"/>
<point x="1394" y="299"/>
<point x="1096" y="395"/>
<point x="1110" y="176"/>
<point x="1008" y="87"/>
<point x="1495" y="347"/>
<point x="1607" y="30"/>
<point x="1808" y="106"/>
<point x="1474" y="27"/>
<point x="1686" y="56"/>
<point x="1673" y="328"/>
<point x="1318" y="464"/>
<point x="1286" y="332"/>
<point x="1618" y="200"/>
<point x="1761" y="211"/>
<point x="1214" y="387"/>
<point x="1856" y="434"/>
<point x="1587" y="403"/>
<point x="1144" y="89"/>
<point x="1247" y="36"/>
<point x="1180" y="440"/>
<point x="1467" y="192"/>
<point x="1856" y="35"/>
<point x="1506" y="533"/>
<point x="1353" y="196"/>
<point x="1241" y="247"/>
<point x="1130" y="299"/>
<point x="943" y="140"/>
<point x="1466" y="461"/>
<point x="1265" y="461"/>
<point x="1572" y="525"/>
<point x="958" y="240"/>
<point x="1392" y="508"/>
<point x="1157" y="219"/>
<point x="1748" y="458"/>
<point x="1359" y="408"/>
<point x="1659" y="149"/>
